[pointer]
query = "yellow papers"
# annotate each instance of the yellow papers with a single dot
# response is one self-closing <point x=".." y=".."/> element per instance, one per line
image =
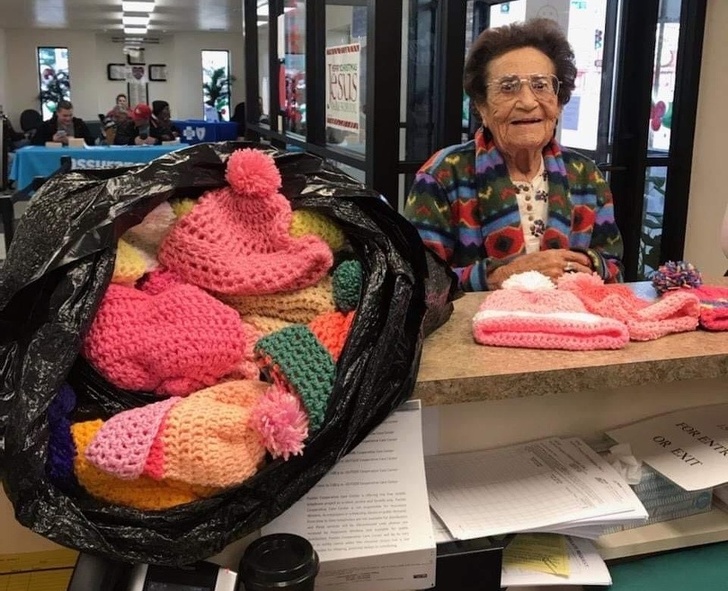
<point x="48" y="570"/>
<point x="544" y="553"/>
<point x="44" y="560"/>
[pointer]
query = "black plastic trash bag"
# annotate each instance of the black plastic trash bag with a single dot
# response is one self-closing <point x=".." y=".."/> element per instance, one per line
<point x="57" y="270"/>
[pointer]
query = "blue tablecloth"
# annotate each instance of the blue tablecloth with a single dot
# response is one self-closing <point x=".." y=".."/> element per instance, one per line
<point x="195" y="131"/>
<point x="34" y="161"/>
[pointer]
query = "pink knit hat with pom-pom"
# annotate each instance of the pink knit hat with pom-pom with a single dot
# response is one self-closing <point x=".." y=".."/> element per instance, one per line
<point x="236" y="239"/>
<point x="172" y="343"/>
<point x="530" y="312"/>
<point x="675" y="311"/>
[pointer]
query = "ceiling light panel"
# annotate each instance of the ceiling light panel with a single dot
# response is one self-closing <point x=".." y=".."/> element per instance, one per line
<point x="135" y="21"/>
<point x="137" y="6"/>
<point x="135" y="30"/>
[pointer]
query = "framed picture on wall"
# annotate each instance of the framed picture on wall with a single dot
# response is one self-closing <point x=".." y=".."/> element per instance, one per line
<point x="116" y="71"/>
<point x="157" y="72"/>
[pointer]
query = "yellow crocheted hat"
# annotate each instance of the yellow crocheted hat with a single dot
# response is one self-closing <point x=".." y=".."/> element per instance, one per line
<point x="300" y="306"/>
<point x="129" y="265"/>
<point x="265" y="324"/>
<point x="304" y="221"/>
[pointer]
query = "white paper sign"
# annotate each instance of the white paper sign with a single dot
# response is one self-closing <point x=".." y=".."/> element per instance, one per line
<point x="342" y="87"/>
<point x="690" y="447"/>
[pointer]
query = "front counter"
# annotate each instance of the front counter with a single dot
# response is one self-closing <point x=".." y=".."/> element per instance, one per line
<point x="479" y="397"/>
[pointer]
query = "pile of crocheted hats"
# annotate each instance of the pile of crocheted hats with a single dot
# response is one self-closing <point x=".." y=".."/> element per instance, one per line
<point x="232" y="311"/>
<point x="578" y="312"/>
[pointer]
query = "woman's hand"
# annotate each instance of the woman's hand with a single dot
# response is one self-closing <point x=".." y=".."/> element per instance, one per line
<point x="553" y="263"/>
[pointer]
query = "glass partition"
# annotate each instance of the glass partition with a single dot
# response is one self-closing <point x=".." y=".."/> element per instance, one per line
<point x="263" y="97"/>
<point x="345" y="90"/>
<point x="292" y="78"/>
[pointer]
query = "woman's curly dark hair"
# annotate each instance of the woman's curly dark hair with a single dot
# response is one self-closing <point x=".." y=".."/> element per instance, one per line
<point x="542" y="34"/>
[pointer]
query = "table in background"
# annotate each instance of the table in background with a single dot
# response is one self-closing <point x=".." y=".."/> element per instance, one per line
<point x="38" y="161"/>
<point x="196" y="131"/>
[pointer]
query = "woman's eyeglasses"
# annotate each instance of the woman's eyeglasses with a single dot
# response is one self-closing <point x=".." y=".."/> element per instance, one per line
<point x="544" y="86"/>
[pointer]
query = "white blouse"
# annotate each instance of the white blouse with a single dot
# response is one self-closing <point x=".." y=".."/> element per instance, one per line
<point x="533" y="205"/>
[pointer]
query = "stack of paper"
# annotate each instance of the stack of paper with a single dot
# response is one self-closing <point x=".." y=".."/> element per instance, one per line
<point x="552" y="485"/>
<point x="368" y="518"/>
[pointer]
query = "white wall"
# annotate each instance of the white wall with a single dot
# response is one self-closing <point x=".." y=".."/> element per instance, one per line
<point x="89" y="54"/>
<point x="185" y="70"/>
<point x="708" y="194"/>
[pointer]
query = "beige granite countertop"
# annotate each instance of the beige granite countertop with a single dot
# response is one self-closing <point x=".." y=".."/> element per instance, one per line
<point x="454" y="368"/>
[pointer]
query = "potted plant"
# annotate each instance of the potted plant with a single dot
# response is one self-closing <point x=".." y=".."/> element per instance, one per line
<point x="55" y="87"/>
<point x="216" y="88"/>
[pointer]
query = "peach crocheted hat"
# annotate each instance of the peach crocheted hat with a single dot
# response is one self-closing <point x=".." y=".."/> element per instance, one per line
<point x="142" y="493"/>
<point x="172" y="343"/>
<point x="236" y="239"/>
<point x="675" y="311"/>
<point x="530" y="312"/>
<point x="202" y="440"/>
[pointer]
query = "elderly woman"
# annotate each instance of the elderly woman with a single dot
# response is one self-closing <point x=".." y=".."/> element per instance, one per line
<point x="512" y="199"/>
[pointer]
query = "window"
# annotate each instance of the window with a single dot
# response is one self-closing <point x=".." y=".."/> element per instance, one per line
<point x="216" y="82"/>
<point x="54" y="81"/>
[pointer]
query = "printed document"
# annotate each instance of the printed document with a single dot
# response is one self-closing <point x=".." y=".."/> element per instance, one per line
<point x="533" y="486"/>
<point x="368" y="518"/>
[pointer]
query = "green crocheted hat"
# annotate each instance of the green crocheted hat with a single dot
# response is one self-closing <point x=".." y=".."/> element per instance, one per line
<point x="346" y="282"/>
<point x="303" y="359"/>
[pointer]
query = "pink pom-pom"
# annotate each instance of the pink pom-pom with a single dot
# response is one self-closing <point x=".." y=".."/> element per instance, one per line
<point x="253" y="173"/>
<point x="281" y="422"/>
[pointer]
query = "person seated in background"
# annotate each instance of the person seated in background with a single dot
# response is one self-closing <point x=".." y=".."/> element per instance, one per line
<point x="512" y="199"/>
<point x="137" y="130"/>
<point x="161" y="126"/>
<point x="13" y="140"/>
<point x="122" y="103"/>
<point x="62" y="126"/>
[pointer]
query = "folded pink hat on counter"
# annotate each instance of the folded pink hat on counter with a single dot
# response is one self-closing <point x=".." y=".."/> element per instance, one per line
<point x="713" y="306"/>
<point x="530" y="312"/>
<point x="675" y="311"/>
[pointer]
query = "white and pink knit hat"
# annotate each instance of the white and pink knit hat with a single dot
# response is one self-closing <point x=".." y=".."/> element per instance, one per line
<point x="530" y="312"/>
